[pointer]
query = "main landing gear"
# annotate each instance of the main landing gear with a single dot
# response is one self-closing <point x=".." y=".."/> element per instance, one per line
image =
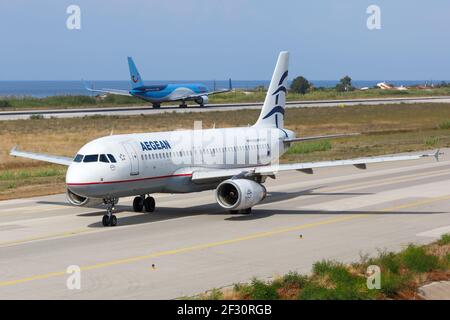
<point x="142" y="202"/>
<point x="183" y="104"/>
<point x="109" y="219"/>
<point x="156" y="105"/>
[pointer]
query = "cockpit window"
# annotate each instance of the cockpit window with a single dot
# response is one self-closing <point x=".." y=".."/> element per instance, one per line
<point x="91" y="158"/>
<point x="103" y="158"/>
<point x="111" y="158"/>
<point x="78" y="158"/>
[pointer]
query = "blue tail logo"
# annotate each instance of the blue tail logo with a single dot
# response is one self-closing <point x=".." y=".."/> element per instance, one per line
<point x="281" y="88"/>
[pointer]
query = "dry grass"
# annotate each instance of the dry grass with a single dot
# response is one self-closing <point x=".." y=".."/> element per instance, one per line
<point x="387" y="128"/>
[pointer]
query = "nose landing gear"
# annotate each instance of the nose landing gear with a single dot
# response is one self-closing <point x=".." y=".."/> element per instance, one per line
<point x="109" y="219"/>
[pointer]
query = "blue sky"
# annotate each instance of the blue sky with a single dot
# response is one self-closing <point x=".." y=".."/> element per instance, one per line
<point x="217" y="39"/>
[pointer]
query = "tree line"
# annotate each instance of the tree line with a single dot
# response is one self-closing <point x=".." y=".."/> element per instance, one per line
<point x="302" y="85"/>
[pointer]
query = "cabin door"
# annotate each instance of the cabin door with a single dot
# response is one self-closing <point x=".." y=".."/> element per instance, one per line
<point x="134" y="160"/>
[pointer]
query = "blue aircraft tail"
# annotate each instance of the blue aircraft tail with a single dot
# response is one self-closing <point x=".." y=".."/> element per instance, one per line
<point x="136" y="80"/>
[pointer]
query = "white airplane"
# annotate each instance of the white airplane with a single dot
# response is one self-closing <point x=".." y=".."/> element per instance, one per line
<point x="234" y="162"/>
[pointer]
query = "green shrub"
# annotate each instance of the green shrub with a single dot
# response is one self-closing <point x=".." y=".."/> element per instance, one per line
<point x="292" y="279"/>
<point x="333" y="281"/>
<point x="7" y="175"/>
<point x="11" y="185"/>
<point x="5" y="104"/>
<point x="444" y="125"/>
<point x="215" y="294"/>
<point x="36" y="116"/>
<point x="387" y="261"/>
<point x="48" y="172"/>
<point x="431" y="141"/>
<point x="314" y="291"/>
<point x="308" y="147"/>
<point x="417" y="259"/>
<point x="391" y="283"/>
<point x="259" y="290"/>
<point x="444" y="240"/>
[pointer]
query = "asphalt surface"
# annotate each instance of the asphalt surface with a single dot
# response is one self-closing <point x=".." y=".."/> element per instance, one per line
<point x="190" y="244"/>
<point x="137" y="110"/>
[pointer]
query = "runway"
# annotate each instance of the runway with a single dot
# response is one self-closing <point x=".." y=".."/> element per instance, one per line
<point x="138" y="110"/>
<point x="194" y="245"/>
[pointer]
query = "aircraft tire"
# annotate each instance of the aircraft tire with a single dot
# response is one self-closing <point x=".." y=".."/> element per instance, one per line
<point x="105" y="220"/>
<point x="149" y="204"/>
<point x="138" y="204"/>
<point x="113" y="221"/>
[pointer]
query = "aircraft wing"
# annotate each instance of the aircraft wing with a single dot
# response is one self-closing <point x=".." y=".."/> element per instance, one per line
<point x="200" y="175"/>
<point x="65" y="161"/>
<point x="230" y="88"/>
<point x="320" y="137"/>
<point x="193" y="96"/>
<point x="110" y="91"/>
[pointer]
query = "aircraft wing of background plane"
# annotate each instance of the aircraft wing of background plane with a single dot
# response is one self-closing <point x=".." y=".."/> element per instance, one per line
<point x="209" y="93"/>
<point x="110" y="91"/>
<point x="200" y="175"/>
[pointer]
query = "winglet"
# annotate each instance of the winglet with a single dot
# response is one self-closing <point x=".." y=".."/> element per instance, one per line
<point x="13" y="150"/>
<point x="435" y="155"/>
<point x="86" y="86"/>
<point x="230" y="85"/>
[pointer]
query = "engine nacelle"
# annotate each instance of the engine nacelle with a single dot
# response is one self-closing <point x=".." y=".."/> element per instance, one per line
<point x="202" y="100"/>
<point x="239" y="194"/>
<point x="80" y="201"/>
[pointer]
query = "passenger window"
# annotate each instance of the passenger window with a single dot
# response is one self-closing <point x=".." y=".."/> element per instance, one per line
<point x="78" y="158"/>
<point x="91" y="158"/>
<point x="103" y="158"/>
<point x="111" y="158"/>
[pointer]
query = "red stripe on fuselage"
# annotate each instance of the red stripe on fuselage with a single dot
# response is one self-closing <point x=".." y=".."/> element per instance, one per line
<point x="133" y="180"/>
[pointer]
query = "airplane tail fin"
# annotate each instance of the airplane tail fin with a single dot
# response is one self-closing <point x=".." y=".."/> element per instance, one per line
<point x="136" y="80"/>
<point x="272" y="112"/>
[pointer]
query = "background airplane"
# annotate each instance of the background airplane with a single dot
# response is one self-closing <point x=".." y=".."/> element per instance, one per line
<point x="157" y="94"/>
<point x="235" y="162"/>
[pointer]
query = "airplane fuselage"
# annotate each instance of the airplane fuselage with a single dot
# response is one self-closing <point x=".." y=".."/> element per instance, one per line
<point x="163" y="162"/>
<point x="169" y="92"/>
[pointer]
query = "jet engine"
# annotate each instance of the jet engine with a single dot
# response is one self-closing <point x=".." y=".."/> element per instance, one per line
<point x="80" y="201"/>
<point x="239" y="194"/>
<point x="202" y="100"/>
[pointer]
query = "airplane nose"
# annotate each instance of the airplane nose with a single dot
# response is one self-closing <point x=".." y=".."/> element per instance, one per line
<point x="76" y="180"/>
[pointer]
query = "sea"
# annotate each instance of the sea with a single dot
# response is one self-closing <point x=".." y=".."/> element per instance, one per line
<point x="41" y="89"/>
